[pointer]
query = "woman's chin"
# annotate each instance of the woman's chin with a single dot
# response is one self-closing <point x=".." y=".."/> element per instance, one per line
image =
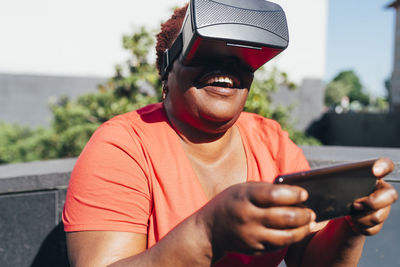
<point x="220" y="119"/>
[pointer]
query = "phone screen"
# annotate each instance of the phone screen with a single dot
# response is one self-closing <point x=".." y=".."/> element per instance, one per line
<point x="333" y="189"/>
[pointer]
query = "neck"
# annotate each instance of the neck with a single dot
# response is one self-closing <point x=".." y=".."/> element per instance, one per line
<point x="205" y="146"/>
<point x="213" y="151"/>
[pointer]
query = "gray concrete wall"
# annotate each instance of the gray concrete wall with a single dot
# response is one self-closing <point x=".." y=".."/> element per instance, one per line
<point x="24" y="98"/>
<point x="32" y="196"/>
<point x="395" y="81"/>
<point x="306" y="102"/>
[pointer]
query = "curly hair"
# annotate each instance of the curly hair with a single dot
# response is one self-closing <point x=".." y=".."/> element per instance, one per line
<point x="169" y="31"/>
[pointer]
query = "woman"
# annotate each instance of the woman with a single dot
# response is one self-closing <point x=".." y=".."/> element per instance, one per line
<point x="187" y="182"/>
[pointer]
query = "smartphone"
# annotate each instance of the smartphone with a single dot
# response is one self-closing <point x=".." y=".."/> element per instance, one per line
<point x="333" y="189"/>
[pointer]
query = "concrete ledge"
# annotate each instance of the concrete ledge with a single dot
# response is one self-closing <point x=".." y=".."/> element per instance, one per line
<point x="35" y="176"/>
<point x="328" y="155"/>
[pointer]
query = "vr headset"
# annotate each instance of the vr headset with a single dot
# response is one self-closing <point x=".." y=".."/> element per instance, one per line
<point x="254" y="31"/>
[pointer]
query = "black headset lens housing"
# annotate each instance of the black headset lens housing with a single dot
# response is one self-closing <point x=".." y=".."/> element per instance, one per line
<point x="254" y="31"/>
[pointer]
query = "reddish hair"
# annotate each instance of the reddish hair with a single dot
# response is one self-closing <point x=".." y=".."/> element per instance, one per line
<point x="169" y="31"/>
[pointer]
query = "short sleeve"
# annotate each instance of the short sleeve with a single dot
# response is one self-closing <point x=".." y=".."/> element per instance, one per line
<point x="109" y="188"/>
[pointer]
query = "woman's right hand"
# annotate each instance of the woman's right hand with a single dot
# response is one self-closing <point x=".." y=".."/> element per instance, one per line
<point x="249" y="218"/>
<point x="257" y="217"/>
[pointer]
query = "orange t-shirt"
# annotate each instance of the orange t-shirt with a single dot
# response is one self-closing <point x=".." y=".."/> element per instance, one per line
<point x="134" y="176"/>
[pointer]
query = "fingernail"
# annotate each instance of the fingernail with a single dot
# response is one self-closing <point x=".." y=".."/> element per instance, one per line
<point x="313" y="216"/>
<point x="303" y="195"/>
<point x="378" y="170"/>
<point x="358" y="206"/>
<point x="312" y="225"/>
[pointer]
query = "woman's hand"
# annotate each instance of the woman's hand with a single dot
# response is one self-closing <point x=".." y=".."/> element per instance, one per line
<point x="257" y="217"/>
<point x="374" y="209"/>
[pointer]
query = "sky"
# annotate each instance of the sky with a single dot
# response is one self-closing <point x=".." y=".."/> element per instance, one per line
<point x="36" y="39"/>
<point x="361" y="38"/>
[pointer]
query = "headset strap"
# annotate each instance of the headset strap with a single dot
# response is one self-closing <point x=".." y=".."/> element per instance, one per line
<point x="170" y="55"/>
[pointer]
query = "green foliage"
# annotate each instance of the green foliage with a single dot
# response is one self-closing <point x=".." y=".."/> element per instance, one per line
<point x="137" y="73"/>
<point x="346" y="93"/>
<point x="20" y="143"/>
<point x="75" y="121"/>
<point x="388" y="87"/>
<point x="10" y="135"/>
<point x="135" y="84"/>
<point x="345" y="84"/>
<point x="259" y="101"/>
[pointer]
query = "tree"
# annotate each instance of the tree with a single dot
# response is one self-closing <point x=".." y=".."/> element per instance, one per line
<point x="388" y="87"/>
<point x="346" y="93"/>
<point x="135" y="84"/>
<point x="345" y="84"/>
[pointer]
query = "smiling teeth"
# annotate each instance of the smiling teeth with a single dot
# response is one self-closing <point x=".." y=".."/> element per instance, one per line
<point x="221" y="79"/>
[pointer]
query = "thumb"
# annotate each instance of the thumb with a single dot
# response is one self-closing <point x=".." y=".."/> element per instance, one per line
<point x="382" y="167"/>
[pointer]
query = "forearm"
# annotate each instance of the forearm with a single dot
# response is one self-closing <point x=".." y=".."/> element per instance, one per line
<point x="335" y="245"/>
<point x="187" y="244"/>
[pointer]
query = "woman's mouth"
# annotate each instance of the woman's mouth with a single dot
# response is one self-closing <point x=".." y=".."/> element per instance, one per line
<point x="222" y="81"/>
<point x="219" y="80"/>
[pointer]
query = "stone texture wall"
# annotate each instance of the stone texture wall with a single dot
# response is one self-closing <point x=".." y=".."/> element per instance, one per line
<point x="31" y="200"/>
<point x="32" y="196"/>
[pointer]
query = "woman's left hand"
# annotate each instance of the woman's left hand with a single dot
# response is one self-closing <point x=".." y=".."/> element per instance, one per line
<point x="375" y="208"/>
